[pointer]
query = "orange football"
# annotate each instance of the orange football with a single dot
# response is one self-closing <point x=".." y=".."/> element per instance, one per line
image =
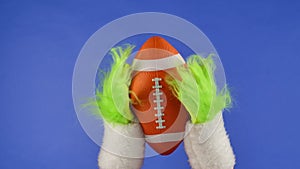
<point x="160" y="113"/>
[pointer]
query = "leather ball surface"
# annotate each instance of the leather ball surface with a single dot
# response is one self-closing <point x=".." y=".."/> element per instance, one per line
<point x="160" y="113"/>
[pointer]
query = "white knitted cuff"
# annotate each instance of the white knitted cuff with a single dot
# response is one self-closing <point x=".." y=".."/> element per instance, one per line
<point x="123" y="147"/>
<point x="207" y="145"/>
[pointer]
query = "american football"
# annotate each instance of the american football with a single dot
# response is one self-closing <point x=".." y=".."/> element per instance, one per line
<point x="160" y="113"/>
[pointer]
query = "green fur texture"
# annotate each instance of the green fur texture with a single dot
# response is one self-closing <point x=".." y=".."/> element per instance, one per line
<point x="197" y="89"/>
<point x="113" y="100"/>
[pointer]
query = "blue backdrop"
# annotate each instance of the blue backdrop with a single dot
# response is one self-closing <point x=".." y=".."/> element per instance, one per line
<point x="258" y="42"/>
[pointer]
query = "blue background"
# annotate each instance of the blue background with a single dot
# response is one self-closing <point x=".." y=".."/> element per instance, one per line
<point x="258" y="42"/>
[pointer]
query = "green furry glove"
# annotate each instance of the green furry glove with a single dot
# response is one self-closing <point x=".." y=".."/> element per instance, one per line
<point x="197" y="89"/>
<point x="113" y="100"/>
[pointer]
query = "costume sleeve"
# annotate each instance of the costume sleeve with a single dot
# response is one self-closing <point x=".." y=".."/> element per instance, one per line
<point x="123" y="147"/>
<point x="207" y="145"/>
